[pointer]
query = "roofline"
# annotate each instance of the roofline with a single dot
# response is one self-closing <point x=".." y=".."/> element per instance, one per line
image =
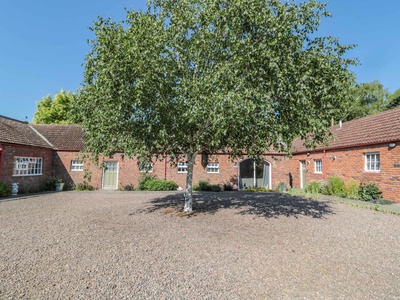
<point x="8" y="118"/>
<point x="68" y="149"/>
<point x="345" y="147"/>
<point x="25" y="145"/>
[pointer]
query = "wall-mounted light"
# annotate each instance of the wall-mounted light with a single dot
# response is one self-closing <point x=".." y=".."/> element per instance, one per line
<point x="334" y="157"/>
<point x="392" y="145"/>
<point x="308" y="153"/>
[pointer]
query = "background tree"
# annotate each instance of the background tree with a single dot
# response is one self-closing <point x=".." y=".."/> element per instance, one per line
<point x="366" y="99"/>
<point x="55" y="111"/>
<point x="394" y="100"/>
<point x="186" y="77"/>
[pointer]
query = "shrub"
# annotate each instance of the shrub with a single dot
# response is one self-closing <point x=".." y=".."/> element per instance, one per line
<point x="334" y="186"/>
<point x="352" y="189"/>
<point x="216" y="188"/>
<point x="84" y="186"/>
<point x="128" y="187"/>
<point x="5" y="190"/>
<point x="204" y="185"/>
<point x="313" y="187"/>
<point x="50" y="184"/>
<point x="369" y="192"/>
<point x="142" y="182"/>
<point x="228" y="186"/>
<point x="257" y="189"/>
<point x="160" y="185"/>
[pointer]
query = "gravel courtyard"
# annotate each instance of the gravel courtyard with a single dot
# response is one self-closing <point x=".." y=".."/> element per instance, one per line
<point x="134" y="245"/>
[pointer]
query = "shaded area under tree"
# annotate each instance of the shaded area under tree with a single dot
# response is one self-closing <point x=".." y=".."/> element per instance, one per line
<point x="267" y="205"/>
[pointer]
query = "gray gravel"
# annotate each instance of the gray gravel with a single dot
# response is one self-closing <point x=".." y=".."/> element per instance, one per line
<point x="131" y="245"/>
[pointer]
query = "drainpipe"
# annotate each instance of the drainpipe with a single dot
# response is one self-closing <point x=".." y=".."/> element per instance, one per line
<point x="324" y="165"/>
<point x="165" y="166"/>
<point x="255" y="174"/>
<point x="1" y="160"/>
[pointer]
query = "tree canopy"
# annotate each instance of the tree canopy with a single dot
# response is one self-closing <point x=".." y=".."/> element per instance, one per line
<point x="366" y="99"/>
<point x="55" y="110"/>
<point x="394" y="100"/>
<point x="191" y="76"/>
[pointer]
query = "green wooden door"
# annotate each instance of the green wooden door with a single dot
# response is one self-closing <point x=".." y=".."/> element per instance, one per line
<point x="110" y="175"/>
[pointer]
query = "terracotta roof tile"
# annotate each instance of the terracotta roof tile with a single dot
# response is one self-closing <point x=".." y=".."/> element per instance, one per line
<point x="379" y="128"/>
<point x="62" y="136"/>
<point x="18" y="132"/>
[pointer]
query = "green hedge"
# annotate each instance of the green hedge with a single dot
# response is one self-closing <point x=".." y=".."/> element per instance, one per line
<point x="5" y="190"/>
<point x="204" y="185"/>
<point x="150" y="183"/>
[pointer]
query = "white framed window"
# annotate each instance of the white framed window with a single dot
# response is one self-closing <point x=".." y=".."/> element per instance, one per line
<point x="213" y="167"/>
<point x="318" y="166"/>
<point x="76" y="165"/>
<point x="182" y="167"/>
<point x="146" y="167"/>
<point x="27" y="166"/>
<point x="372" y="162"/>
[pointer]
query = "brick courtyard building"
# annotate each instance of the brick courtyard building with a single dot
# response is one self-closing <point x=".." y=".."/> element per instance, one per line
<point x="364" y="150"/>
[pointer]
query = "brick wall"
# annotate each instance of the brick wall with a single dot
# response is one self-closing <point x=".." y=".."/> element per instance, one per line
<point x="29" y="183"/>
<point x="129" y="172"/>
<point x="350" y="165"/>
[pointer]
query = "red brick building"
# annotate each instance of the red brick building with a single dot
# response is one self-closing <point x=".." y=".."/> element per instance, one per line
<point x="365" y="149"/>
<point x="25" y="157"/>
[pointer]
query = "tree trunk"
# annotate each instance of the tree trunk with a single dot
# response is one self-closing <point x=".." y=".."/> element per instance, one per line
<point x="189" y="182"/>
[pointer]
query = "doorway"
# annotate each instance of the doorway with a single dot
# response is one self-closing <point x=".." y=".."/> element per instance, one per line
<point x="110" y="175"/>
<point x="254" y="173"/>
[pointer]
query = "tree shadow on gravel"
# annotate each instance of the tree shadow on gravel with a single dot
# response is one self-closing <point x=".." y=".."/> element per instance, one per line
<point x="267" y="205"/>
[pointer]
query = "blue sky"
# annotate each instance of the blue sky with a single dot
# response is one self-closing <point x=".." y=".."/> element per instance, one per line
<point x="43" y="44"/>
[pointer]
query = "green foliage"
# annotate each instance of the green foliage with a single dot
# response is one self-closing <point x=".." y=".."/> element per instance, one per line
<point x="313" y="187"/>
<point x="205" y="185"/>
<point x="256" y="189"/>
<point x="369" y="192"/>
<point x="51" y="181"/>
<point x="352" y="189"/>
<point x="5" y="190"/>
<point x="227" y="186"/>
<point x="142" y="181"/>
<point x="196" y="188"/>
<point x="216" y="188"/>
<point x="150" y="183"/>
<point x="55" y="111"/>
<point x="128" y="187"/>
<point x="160" y="185"/>
<point x="334" y="186"/>
<point x="394" y="100"/>
<point x="174" y="78"/>
<point x="84" y="186"/>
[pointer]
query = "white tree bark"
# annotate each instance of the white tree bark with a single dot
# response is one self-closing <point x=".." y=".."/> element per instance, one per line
<point x="189" y="182"/>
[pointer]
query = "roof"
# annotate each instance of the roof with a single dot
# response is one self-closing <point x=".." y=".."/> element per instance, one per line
<point x="62" y="136"/>
<point x="18" y="132"/>
<point x="379" y="128"/>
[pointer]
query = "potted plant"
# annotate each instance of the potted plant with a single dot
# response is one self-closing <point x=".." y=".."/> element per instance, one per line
<point x="59" y="184"/>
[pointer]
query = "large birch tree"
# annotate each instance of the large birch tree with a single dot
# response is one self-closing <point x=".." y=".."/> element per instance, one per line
<point x="186" y="77"/>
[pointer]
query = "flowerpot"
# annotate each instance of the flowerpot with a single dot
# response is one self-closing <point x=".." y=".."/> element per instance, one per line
<point x="282" y="187"/>
<point x="59" y="186"/>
